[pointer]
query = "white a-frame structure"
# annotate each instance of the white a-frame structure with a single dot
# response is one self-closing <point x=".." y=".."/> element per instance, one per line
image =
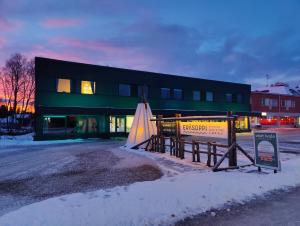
<point x="142" y="128"/>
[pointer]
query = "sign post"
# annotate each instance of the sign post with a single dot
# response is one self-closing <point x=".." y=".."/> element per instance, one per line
<point x="266" y="151"/>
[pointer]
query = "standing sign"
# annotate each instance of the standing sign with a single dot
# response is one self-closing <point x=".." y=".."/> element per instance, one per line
<point x="266" y="150"/>
<point x="205" y="128"/>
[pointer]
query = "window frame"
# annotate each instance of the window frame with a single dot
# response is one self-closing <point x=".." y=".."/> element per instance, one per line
<point x="181" y="92"/>
<point x="213" y="96"/>
<point x="57" y="83"/>
<point x="125" y="84"/>
<point x="93" y="83"/>
<point x="161" y="92"/>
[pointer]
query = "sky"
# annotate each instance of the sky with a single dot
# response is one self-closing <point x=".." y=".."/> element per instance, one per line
<point x="228" y="40"/>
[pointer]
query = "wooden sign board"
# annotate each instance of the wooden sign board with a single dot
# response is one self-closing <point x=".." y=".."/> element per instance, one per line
<point x="216" y="129"/>
<point x="266" y="150"/>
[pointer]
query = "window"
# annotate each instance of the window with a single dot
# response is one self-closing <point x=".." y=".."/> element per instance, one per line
<point x="124" y="90"/>
<point x="63" y="85"/>
<point x="88" y="87"/>
<point x="196" y="95"/>
<point x="129" y="121"/>
<point x="143" y="90"/>
<point x="274" y="103"/>
<point x="54" y="125"/>
<point x="228" y="97"/>
<point x="239" y="98"/>
<point x="288" y="103"/>
<point x="177" y="94"/>
<point x="165" y="93"/>
<point x="209" y="96"/>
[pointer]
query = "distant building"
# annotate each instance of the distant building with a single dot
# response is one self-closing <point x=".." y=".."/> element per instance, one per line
<point x="277" y="105"/>
<point x="81" y="100"/>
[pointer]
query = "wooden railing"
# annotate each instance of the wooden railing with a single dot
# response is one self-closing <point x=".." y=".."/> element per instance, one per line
<point x="177" y="148"/>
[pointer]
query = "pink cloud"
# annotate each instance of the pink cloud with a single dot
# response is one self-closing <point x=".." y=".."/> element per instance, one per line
<point x="107" y="52"/>
<point x="60" y="23"/>
<point x="99" y="45"/>
<point x="41" y="51"/>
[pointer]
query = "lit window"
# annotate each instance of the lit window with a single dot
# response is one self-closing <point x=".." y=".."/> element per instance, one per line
<point x="196" y="95"/>
<point x="129" y="121"/>
<point x="88" y="87"/>
<point x="124" y="90"/>
<point x="63" y="85"/>
<point x="209" y="96"/>
<point x="165" y="93"/>
<point x="177" y="94"/>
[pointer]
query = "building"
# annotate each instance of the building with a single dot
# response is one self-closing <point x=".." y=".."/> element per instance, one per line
<point x="81" y="100"/>
<point x="277" y="105"/>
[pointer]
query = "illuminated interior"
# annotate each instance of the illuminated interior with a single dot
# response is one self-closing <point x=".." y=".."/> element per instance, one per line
<point x="63" y="85"/>
<point x="117" y="123"/>
<point x="242" y="123"/>
<point x="129" y="121"/>
<point x="88" y="87"/>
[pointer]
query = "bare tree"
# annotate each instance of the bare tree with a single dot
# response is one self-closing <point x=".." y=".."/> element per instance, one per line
<point x="14" y="72"/>
<point x="27" y="88"/>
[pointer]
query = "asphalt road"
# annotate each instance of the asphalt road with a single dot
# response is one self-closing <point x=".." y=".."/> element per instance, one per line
<point x="279" y="208"/>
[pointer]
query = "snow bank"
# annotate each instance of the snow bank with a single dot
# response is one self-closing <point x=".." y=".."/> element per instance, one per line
<point x="27" y="139"/>
<point x="159" y="202"/>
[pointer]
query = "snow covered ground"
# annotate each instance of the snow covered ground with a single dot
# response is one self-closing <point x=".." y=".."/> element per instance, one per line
<point x="185" y="189"/>
<point x="8" y="142"/>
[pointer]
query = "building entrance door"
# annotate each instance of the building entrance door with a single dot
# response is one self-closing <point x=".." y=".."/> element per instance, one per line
<point x="120" y="124"/>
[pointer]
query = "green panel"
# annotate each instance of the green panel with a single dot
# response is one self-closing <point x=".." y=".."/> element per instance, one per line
<point x="89" y="101"/>
<point x="106" y="101"/>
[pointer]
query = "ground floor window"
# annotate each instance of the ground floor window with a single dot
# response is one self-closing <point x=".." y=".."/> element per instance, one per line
<point x="54" y="125"/>
<point x="120" y="123"/>
<point x="242" y="123"/>
<point x="70" y="124"/>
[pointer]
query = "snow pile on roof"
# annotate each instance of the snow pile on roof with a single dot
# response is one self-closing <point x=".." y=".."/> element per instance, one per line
<point x="142" y="128"/>
<point x="159" y="202"/>
<point x="280" y="88"/>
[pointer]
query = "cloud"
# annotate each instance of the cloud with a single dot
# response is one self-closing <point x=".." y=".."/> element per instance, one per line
<point x="60" y="22"/>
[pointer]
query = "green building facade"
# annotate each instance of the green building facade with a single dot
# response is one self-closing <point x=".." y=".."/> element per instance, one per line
<point x="75" y="100"/>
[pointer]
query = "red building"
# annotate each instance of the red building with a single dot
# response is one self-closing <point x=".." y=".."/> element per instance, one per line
<point x="278" y="105"/>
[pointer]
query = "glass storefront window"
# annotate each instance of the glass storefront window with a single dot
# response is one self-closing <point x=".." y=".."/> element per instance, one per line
<point x="129" y="121"/>
<point x="112" y="124"/>
<point x="63" y="85"/>
<point x="120" y="124"/>
<point x="54" y="125"/>
<point x="242" y="123"/>
<point x="88" y="87"/>
<point x="71" y="125"/>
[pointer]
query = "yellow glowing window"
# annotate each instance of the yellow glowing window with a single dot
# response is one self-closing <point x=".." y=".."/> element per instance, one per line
<point x="88" y="87"/>
<point x="63" y="85"/>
